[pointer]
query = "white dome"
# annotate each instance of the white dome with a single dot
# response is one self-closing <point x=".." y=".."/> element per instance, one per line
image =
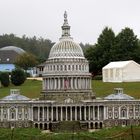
<point x="118" y="95"/>
<point x="66" y="48"/>
<point x="14" y="48"/>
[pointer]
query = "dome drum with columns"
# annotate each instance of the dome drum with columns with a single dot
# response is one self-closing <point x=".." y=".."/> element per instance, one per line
<point x="66" y="73"/>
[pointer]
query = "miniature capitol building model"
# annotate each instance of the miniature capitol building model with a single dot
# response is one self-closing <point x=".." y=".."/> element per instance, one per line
<point x="67" y="95"/>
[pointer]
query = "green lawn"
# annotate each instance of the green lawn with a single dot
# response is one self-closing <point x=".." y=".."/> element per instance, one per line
<point x="103" y="89"/>
<point x="116" y="133"/>
<point x="32" y="88"/>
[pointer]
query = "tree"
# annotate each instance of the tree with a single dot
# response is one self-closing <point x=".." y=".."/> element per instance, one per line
<point x="18" y="77"/>
<point x="26" y="61"/>
<point x="101" y="53"/>
<point x="4" y="78"/>
<point x="126" y="45"/>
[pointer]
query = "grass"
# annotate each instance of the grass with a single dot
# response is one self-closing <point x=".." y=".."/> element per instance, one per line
<point x="103" y="89"/>
<point x="32" y="88"/>
<point x="116" y="133"/>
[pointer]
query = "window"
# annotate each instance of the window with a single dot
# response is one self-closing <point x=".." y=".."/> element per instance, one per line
<point x="12" y="115"/>
<point x="79" y="67"/>
<point x="61" y="68"/>
<point x="123" y="113"/>
<point x="65" y="67"/>
<point x="69" y="67"/>
<point x="19" y="116"/>
<point x="72" y="67"/>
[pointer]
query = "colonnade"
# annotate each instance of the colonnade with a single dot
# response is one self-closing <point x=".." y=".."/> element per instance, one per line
<point x="68" y="113"/>
<point x="60" y="83"/>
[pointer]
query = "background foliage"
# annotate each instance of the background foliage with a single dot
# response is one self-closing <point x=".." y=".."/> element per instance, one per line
<point x="109" y="47"/>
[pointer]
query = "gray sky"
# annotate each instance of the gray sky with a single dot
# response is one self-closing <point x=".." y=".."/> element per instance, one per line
<point x="87" y="18"/>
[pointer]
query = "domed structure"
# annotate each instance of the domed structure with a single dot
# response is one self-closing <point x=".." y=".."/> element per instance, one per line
<point x="118" y="95"/>
<point x="66" y="48"/>
<point x="8" y="56"/>
<point x="66" y="73"/>
<point x="15" y="96"/>
<point x="13" y="48"/>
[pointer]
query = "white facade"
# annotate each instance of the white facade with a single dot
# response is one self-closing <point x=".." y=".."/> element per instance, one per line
<point x="121" y="71"/>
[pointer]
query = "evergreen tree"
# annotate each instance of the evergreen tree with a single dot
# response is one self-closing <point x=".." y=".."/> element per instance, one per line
<point x="18" y="77"/>
<point x="4" y="78"/>
<point x="126" y="45"/>
<point x="101" y="53"/>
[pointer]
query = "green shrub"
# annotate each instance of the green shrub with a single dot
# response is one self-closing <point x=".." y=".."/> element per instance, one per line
<point x="4" y="78"/>
<point x="18" y="77"/>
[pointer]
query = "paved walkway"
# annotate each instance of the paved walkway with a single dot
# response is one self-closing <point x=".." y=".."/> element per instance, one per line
<point x="35" y="78"/>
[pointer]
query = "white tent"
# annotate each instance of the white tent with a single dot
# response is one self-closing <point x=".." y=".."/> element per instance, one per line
<point x="121" y="71"/>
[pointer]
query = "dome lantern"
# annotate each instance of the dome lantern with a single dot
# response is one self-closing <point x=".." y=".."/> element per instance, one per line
<point x="65" y="27"/>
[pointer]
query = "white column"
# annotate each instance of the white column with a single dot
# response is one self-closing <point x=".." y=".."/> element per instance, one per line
<point x="63" y="83"/>
<point x="119" y="112"/>
<point x="58" y="83"/>
<point x="48" y="83"/>
<point x="38" y="113"/>
<point x="2" y="113"/>
<point x="98" y="113"/>
<point x="61" y="114"/>
<point x="93" y="113"/>
<point x="52" y="113"/>
<point x="80" y="83"/>
<point x="16" y="113"/>
<point x="70" y="113"/>
<point x="134" y="112"/>
<point x="75" y="113"/>
<point x="32" y="113"/>
<point x="85" y="112"/>
<point x="104" y="113"/>
<point x="22" y="113"/>
<point x="80" y="112"/>
<point x="86" y="83"/>
<point x="71" y="82"/>
<point x="47" y="113"/>
<point x="113" y="112"/>
<point x="83" y="85"/>
<point x="56" y="113"/>
<point x="89" y="113"/>
<point x="8" y="114"/>
<point x="127" y="112"/>
<point x="43" y="113"/>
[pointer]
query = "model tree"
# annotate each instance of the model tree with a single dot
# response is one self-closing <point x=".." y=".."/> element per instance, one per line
<point x="26" y="61"/>
<point x="18" y="77"/>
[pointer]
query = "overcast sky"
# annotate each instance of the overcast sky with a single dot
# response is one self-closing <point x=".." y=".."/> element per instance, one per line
<point x="87" y="18"/>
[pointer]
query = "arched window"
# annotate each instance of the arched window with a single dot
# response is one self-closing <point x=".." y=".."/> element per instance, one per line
<point x="123" y="113"/>
<point x="12" y="113"/>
